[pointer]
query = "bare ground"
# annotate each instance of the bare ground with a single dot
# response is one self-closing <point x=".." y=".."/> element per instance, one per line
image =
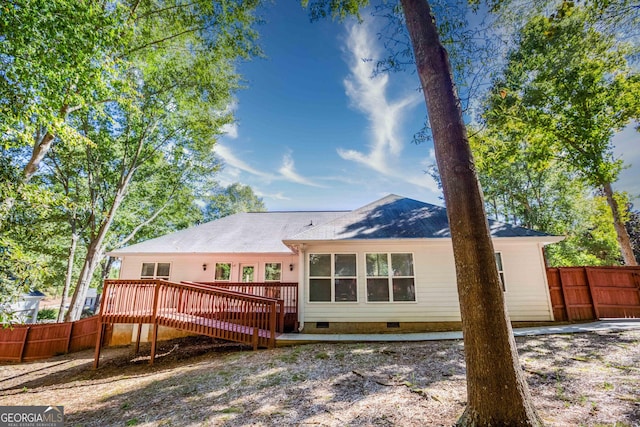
<point x="590" y="379"/>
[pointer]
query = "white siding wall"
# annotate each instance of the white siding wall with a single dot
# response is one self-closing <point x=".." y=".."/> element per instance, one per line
<point x="436" y="293"/>
<point x="189" y="267"/>
<point x="527" y="292"/>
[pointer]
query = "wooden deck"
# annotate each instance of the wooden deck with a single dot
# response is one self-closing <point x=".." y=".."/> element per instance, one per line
<point x="193" y="307"/>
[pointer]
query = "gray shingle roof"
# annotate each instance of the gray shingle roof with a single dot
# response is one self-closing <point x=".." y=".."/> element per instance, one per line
<point x="255" y="232"/>
<point x="395" y="217"/>
<point x="392" y="217"/>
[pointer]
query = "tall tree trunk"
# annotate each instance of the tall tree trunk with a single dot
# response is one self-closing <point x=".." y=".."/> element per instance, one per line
<point x="621" y="231"/>
<point x="95" y="252"/>
<point x="496" y="391"/>
<point x="69" y="274"/>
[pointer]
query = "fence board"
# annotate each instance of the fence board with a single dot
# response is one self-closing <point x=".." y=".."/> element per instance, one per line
<point x="12" y="339"/>
<point x="586" y="293"/>
<point x="41" y="341"/>
<point x="577" y="295"/>
<point x="556" y="294"/>
<point x="615" y="292"/>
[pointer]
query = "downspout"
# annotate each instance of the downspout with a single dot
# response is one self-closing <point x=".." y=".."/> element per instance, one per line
<point x="301" y="286"/>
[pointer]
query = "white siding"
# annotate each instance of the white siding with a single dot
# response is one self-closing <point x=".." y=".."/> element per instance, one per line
<point x="189" y="267"/>
<point x="436" y="294"/>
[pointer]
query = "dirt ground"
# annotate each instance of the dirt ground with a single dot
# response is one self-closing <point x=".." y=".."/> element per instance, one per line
<point x="590" y="379"/>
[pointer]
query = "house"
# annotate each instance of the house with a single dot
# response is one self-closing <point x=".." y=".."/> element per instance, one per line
<point x="26" y="308"/>
<point x="386" y="266"/>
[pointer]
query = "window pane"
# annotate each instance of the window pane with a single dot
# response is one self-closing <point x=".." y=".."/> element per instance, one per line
<point x="223" y="271"/>
<point x="403" y="290"/>
<point x="501" y="274"/>
<point x="320" y="265"/>
<point x="247" y="273"/>
<point x="346" y="290"/>
<point x="272" y="271"/>
<point x="377" y="289"/>
<point x="320" y="290"/>
<point x="377" y="265"/>
<point x="402" y="264"/>
<point x="499" y="261"/>
<point x="163" y="269"/>
<point x="148" y="269"/>
<point x="345" y="265"/>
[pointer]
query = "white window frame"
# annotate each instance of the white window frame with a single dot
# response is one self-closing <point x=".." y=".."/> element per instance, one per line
<point x="215" y="269"/>
<point x="332" y="278"/>
<point x="501" y="274"/>
<point x="390" y="278"/>
<point x="265" y="272"/>
<point x="155" y="270"/>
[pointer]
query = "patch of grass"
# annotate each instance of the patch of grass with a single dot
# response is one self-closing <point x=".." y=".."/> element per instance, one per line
<point x="270" y="381"/>
<point x="339" y="355"/>
<point x="322" y="355"/>
<point x="607" y="386"/>
<point x="125" y="405"/>
<point x="231" y="410"/>
<point x="298" y="376"/>
<point x="132" y="422"/>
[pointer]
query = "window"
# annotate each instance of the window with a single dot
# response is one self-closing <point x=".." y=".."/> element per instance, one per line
<point x="332" y="278"/>
<point x="272" y="271"/>
<point x="153" y="270"/>
<point x="248" y="273"/>
<point x="390" y="277"/>
<point x="223" y="272"/>
<point x="500" y="269"/>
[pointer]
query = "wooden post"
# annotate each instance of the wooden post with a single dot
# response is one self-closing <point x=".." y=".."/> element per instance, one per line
<point x="590" y="285"/>
<point x="281" y="316"/>
<point x="69" y="334"/>
<point x="24" y="343"/>
<point x="564" y="295"/>
<point x="138" y="338"/>
<point x="96" y="357"/>
<point x="254" y="339"/>
<point x="153" y="343"/>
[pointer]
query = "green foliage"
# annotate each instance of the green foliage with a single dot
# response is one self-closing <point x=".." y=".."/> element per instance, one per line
<point x="633" y="228"/>
<point x="525" y="188"/>
<point x="590" y="241"/>
<point x="567" y="89"/>
<point x="134" y="94"/>
<point x="47" y="314"/>
<point x="230" y="200"/>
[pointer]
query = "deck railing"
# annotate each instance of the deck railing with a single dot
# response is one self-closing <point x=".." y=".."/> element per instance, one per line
<point x="287" y="292"/>
<point x="196" y="308"/>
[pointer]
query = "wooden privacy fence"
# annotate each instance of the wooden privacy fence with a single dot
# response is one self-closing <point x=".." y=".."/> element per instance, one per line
<point x="287" y="292"/>
<point x="40" y="341"/>
<point x="587" y="293"/>
<point x="197" y="308"/>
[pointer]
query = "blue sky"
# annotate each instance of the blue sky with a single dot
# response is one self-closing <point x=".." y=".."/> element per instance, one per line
<point x="315" y="131"/>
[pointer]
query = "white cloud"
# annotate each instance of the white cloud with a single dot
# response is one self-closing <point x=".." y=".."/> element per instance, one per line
<point x="369" y="95"/>
<point x="231" y="160"/>
<point x="230" y="130"/>
<point x="287" y="170"/>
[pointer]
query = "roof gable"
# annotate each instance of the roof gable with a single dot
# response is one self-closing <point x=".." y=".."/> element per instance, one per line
<point x="396" y="217"/>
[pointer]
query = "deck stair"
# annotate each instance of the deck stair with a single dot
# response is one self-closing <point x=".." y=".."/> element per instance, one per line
<point x="197" y="308"/>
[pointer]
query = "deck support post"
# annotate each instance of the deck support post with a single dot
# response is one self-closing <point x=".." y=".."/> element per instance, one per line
<point x="100" y="334"/>
<point x="138" y="338"/>
<point x="153" y="343"/>
<point x="255" y="338"/>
